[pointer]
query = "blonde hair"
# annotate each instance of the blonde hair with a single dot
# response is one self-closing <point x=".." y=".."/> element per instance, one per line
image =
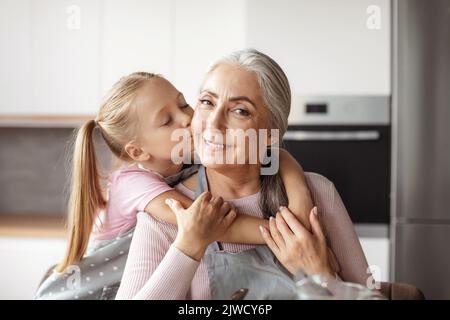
<point x="87" y="197"/>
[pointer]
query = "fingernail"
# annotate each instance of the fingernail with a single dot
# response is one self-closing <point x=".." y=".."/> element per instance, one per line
<point x="282" y="208"/>
<point x="169" y="201"/>
<point x="261" y="229"/>
<point x="315" y="211"/>
<point x="271" y="218"/>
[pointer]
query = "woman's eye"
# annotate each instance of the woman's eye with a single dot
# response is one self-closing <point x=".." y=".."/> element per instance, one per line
<point x="185" y="106"/>
<point x="205" y="102"/>
<point x="241" y="112"/>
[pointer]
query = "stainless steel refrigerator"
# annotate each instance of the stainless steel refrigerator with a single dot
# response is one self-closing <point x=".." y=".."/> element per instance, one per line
<point x="420" y="206"/>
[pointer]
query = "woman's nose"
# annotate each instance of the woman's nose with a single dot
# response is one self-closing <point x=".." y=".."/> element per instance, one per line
<point x="216" y="119"/>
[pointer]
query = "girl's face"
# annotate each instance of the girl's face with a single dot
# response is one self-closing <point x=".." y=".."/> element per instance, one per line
<point x="230" y="100"/>
<point x="161" y="109"/>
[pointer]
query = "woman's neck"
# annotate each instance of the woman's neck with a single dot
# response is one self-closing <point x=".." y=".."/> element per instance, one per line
<point x="234" y="182"/>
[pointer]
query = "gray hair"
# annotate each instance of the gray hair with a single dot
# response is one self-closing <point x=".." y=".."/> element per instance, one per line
<point x="277" y="97"/>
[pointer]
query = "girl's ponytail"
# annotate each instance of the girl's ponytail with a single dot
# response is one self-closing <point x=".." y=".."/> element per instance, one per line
<point x="117" y="124"/>
<point x="86" y="196"/>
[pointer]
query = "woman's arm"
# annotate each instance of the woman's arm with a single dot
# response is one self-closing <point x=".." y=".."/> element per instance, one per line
<point x="155" y="269"/>
<point x="299" y="196"/>
<point x="342" y="237"/>
<point x="244" y="229"/>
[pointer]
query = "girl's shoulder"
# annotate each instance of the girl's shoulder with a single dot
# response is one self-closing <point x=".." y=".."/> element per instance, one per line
<point x="133" y="172"/>
<point x="133" y="178"/>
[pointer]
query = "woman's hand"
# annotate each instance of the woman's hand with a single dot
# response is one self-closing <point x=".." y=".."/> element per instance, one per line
<point x="205" y="221"/>
<point x="294" y="246"/>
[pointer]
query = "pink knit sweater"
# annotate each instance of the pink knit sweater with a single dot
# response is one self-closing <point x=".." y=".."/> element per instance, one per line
<point x="157" y="270"/>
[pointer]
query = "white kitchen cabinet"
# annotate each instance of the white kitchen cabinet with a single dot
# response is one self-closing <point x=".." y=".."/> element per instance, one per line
<point x="49" y="57"/>
<point x="15" y="55"/>
<point x="325" y="46"/>
<point x="24" y="262"/>
<point x="60" y="57"/>
<point x="204" y="30"/>
<point x="135" y="36"/>
<point x="377" y="254"/>
<point x="65" y="56"/>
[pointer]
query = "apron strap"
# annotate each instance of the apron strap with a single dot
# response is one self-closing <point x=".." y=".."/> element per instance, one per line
<point x="202" y="186"/>
<point x="202" y="182"/>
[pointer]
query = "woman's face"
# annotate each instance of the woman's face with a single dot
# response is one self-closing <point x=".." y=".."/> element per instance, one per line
<point x="230" y="103"/>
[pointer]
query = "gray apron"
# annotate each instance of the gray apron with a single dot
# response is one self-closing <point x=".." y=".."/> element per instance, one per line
<point x="256" y="270"/>
<point x="96" y="277"/>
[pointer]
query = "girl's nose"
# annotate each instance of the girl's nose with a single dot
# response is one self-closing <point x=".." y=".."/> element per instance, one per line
<point x="186" y="119"/>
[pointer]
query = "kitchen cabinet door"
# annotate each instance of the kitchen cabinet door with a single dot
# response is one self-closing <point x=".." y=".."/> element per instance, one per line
<point x="24" y="261"/>
<point x="135" y="36"/>
<point x="15" y="56"/>
<point x="326" y="47"/>
<point x="204" y="30"/>
<point x="65" y="56"/>
<point x="377" y="255"/>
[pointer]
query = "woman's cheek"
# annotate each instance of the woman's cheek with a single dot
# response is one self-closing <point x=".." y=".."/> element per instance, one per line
<point x="196" y="130"/>
<point x="197" y="123"/>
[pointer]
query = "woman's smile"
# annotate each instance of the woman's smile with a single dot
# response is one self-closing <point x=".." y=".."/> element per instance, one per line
<point x="213" y="146"/>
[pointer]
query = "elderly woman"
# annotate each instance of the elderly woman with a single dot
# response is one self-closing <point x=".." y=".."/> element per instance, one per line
<point x="188" y="263"/>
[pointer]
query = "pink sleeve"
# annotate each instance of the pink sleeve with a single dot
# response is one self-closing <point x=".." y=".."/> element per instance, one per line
<point x="133" y="190"/>
<point x="339" y="230"/>
<point x="155" y="269"/>
<point x="344" y="241"/>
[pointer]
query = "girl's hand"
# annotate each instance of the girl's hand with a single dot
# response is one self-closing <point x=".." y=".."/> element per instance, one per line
<point x="294" y="246"/>
<point x="205" y="221"/>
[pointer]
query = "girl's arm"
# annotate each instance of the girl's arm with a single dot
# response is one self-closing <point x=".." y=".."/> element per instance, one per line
<point x="299" y="196"/>
<point x="244" y="229"/>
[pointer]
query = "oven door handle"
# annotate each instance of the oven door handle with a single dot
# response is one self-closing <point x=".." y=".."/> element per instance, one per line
<point x="303" y="135"/>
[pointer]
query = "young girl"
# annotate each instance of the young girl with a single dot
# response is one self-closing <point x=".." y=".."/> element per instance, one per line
<point x="136" y="121"/>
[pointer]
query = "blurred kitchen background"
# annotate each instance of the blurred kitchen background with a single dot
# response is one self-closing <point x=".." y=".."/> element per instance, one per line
<point x="371" y="110"/>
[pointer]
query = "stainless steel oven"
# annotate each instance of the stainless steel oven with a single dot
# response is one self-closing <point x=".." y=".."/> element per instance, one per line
<point x="346" y="139"/>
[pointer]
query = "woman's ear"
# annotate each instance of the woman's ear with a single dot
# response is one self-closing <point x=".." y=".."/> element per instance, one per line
<point x="136" y="153"/>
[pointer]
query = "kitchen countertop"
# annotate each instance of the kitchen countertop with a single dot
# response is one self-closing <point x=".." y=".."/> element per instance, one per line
<point x="41" y="226"/>
<point x="43" y="121"/>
